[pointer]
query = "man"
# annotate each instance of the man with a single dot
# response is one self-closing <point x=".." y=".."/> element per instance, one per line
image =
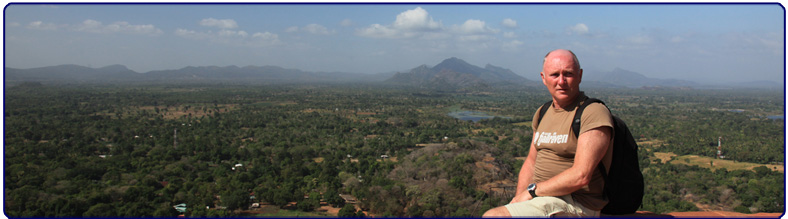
<point x="560" y="177"/>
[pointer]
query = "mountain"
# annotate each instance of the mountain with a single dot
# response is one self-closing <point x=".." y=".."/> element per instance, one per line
<point x="259" y="74"/>
<point x="456" y="73"/>
<point x="70" y="73"/>
<point x="203" y="74"/>
<point x="452" y="73"/>
<point x="624" y="78"/>
<point x="756" y="84"/>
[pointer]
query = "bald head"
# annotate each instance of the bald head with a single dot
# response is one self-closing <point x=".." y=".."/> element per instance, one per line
<point x="563" y="52"/>
<point x="561" y="74"/>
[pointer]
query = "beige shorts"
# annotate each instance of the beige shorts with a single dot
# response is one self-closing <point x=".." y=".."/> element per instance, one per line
<point x="563" y="206"/>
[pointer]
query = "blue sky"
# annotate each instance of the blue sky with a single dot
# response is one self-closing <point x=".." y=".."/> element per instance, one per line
<point x="708" y="43"/>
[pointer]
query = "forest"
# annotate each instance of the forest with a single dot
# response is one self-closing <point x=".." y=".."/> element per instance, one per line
<point x="227" y="149"/>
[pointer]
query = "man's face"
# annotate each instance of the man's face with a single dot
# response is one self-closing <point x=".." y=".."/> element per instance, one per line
<point x="561" y="76"/>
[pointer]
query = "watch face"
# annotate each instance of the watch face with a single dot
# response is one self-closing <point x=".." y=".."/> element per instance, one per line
<point x="532" y="186"/>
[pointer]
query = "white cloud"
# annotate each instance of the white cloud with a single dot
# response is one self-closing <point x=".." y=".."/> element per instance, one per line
<point x="416" y="19"/>
<point x="474" y="30"/>
<point x="264" y="39"/>
<point x="472" y="26"/>
<point x="266" y="35"/>
<point x="232" y="33"/>
<point x="509" y="35"/>
<point x="379" y="31"/>
<point x="317" y="29"/>
<point x="346" y="23"/>
<point x="409" y="24"/>
<point x="511" y="45"/>
<point x="190" y="34"/>
<point x="89" y="26"/>
<point x="222" y="24"/>
<point x="93" y="26"/>
<point x="184" y="32"/>
<point x="232" y="37"/>
<point x="312" y="29"/>
<point x="39" y="25"/>
<point x="508" y="22"/>
<point x="419" y="32"/>
<point x="579" y="29"/>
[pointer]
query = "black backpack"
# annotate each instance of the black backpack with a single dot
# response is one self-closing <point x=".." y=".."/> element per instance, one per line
<point x="624" y="183"/>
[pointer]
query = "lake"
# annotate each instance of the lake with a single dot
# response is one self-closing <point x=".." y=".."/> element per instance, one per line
<point x="772" y="117"/>
<point x="474" y="116"/>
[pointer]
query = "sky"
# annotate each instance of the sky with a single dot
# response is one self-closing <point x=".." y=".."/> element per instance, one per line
<point x="706" y="43"/>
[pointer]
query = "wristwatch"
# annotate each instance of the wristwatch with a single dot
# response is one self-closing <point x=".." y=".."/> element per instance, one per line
<point x="532" y="190"/>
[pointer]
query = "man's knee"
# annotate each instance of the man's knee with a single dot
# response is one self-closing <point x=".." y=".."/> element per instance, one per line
<point x="500" y="211"/>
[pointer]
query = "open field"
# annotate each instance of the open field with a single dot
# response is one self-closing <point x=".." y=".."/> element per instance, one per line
<point x="196" y="110"/>
<point x="665" y="157"/>
<point x="275" y="211"/>
<point x="528" y="124"/>
<point x="714" y="163"/>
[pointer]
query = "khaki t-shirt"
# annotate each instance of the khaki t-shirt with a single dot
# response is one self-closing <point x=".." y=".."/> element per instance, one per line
<point x="556" y="145"/>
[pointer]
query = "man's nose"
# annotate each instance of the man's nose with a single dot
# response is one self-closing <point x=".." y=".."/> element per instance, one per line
<point x="561" y="79"/>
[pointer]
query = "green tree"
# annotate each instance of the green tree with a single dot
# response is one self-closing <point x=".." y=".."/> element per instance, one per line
<point x="311" y="203"/>
<point x="100" y="210"/>
<point x="235" y="199"/>
<point x="347" y="211"/>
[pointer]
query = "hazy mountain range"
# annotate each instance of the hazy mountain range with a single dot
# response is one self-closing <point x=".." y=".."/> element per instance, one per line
<point x="456" y="73"/>
<point x="451" y="73"/>
<point x="205" y="74"/>
<point x="624" y="78"/>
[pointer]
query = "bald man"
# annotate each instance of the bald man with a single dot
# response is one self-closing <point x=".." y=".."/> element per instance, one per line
<point x="560" y="177"/>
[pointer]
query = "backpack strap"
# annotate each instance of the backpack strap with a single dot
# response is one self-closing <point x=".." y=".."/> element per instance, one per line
<point x="543" y="110"/>
<point x="576" y="124"/>
<point x="579" y="114"/>
<point x="576" y="129"/>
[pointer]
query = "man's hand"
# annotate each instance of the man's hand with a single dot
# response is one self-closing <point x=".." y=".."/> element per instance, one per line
<point x="523" y="196"/>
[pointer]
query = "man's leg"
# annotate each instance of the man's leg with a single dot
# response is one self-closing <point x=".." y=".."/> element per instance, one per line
<point x="500" y="211"/>
<point x="538" y="207"/>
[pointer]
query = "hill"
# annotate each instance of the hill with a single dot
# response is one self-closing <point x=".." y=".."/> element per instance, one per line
<point x="70" y="73"/>
<point x="624" y="78"/>
<point x="190" y="74"/>
<point x="452" y="73"/>
<point x="456" y="73"/>
<point x="445" y="174"/>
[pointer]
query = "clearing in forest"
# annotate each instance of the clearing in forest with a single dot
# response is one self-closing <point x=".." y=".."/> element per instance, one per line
<point x="715" y="164"/>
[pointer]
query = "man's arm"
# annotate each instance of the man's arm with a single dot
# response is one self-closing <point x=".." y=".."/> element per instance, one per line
<point x="591" y="148"/>
<point x="526" y="174"/>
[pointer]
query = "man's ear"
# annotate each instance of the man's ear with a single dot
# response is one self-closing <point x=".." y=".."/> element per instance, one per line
<point x="580" y="76"/>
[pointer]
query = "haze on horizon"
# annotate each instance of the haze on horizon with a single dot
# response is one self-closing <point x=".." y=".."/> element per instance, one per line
<point x="708" y="43"/>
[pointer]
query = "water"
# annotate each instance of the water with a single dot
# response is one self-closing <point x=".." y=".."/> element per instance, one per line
<point x="772" y="117"/>
<point x="474" y="116"/>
